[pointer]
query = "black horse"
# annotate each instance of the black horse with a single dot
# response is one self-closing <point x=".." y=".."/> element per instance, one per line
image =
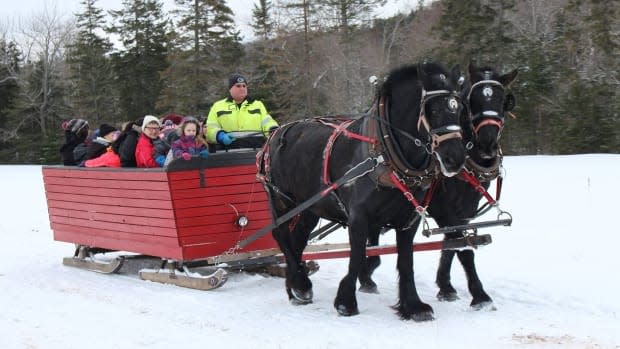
<point x="369" y="171"/>
<point x="455" y="201"/>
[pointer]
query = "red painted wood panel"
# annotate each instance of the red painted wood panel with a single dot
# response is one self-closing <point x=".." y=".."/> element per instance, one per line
<point x="114" y="210"/>
<point x="215" y="228"/>
<point x="125" y="174"/>
<point x="141" y="203"/>
<point x="97" y="192"/>
<point x="222" y="245"/>
<point x="162" y="247"/>
<point x="108" y="183"/>
<point x="222" y="209"/>
<point x="228" y="218"/>
<point x="119" y="227"/>
<point x="113" y="218"/>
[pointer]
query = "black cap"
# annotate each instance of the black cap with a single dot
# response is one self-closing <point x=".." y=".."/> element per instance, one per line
<point x="105" y="129"/>
<point x="235" y="79"/>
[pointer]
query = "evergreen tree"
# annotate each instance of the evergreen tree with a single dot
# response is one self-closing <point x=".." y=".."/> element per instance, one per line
<point x="475" y="30"/>
<point x="207" y="47"/>
<point x="143" y="32"/>
<point x="9" y="89"/>
<point x="262" y="22"/>
<point x="91" y="69"/>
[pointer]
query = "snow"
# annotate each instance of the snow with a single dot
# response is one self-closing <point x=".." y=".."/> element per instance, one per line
<point x="552" y="276"/>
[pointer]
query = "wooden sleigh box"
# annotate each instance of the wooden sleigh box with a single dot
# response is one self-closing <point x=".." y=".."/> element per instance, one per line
<point x="187" y="211"/>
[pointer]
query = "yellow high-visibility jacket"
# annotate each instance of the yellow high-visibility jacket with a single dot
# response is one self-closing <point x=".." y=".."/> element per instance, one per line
<point x="249" y="117"/>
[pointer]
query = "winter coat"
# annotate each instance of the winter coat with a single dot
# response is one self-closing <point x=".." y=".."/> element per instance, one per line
<point x="125" y="146"/>
<point x="187" y="144"/>
<point x="66" y="150"/>
<point x="107" y="159"/>
<point x="250" y="116"/>
<point x="97" y="148"/>
<point x="145" y="152"/>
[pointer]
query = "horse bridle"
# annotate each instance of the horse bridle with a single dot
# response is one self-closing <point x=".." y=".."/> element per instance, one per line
<point x="492" y="117"/>
<point x="443" y="133"/>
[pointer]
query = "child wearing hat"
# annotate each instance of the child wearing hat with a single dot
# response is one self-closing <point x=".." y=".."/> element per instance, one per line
<point x="76" y="132"/>
<point x="99" y="145"/>
<point x="189" y="144"/>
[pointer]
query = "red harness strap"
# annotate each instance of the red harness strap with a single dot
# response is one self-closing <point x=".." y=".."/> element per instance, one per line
<point x="398" y="183"/>
<point x="475" y="183"/>
<point x="339" y="129"/>
<point x="494" y="122"/>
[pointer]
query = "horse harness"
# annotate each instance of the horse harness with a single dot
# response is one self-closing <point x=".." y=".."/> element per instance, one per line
<point x="473" y="173"/>
<point x="385" y="164"/>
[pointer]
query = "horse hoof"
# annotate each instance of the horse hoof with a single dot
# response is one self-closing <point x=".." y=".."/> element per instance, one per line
<point x="344" y="311"/>
<point x="301" y="298"/>
<point x="423" y="316"/>
<point x="487" y="305"/>
<point x="447" y="296"/>
<point x="369" y="289"/>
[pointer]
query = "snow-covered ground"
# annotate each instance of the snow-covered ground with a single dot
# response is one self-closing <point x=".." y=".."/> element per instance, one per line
<point x="553" y="276"/>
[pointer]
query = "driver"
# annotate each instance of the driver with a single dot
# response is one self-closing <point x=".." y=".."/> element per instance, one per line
<point x="238" y="116"/>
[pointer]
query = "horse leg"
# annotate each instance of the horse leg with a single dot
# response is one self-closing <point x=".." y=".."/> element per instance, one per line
<point x="446" y="291"/>
<point x="480" y="298"/>
<point x="409" y="305"/>
<point x="298" y="285"/>
<point x="345" y="301"/>
<point x="367" y="285"/>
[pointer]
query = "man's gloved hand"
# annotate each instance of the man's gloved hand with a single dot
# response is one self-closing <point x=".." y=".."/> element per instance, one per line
<point x="204" y="154"/>
<point x="223" y="138"/>
<point x="160" y="159"/>
<point x="186" y="156"/>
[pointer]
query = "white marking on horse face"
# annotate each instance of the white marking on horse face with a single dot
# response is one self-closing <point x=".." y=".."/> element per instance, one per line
<point x="489" y="113"/>
<point x="487" y="91"/>
<point x="453" y="104"/>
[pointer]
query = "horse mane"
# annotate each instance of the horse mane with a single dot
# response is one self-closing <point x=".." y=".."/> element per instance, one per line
<point x="397" y="76"/>
<point x="486" y="73"/>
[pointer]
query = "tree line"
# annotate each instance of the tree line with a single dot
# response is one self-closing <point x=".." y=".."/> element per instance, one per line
<point x="307" y="58"/>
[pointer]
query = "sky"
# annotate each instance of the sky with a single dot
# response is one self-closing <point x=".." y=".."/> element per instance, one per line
<point x="553" y="276"/>
<point x="241" y="8"/>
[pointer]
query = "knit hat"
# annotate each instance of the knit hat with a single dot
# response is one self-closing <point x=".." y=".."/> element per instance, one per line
<point x="149" y="119"/>
<point x="236" y="79"/>
<point x="76" y="125"/>
<point x="105" y="129"/>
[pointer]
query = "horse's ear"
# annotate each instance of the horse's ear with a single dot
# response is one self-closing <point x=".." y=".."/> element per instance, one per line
<point x="510" y="102"/>
<point x="457" y="77"/>
<point x="422" y="70"/>
<point x="471" y="69"/>
<point x="508" y="78"/>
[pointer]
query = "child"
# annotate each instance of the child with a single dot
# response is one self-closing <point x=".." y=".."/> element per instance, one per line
<point x="76" y="132"/>
<point x="100" y="144"/>
<point x="190" y="144"/>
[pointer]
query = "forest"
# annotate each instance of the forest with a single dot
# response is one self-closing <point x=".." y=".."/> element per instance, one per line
<point x="306" y="58"/>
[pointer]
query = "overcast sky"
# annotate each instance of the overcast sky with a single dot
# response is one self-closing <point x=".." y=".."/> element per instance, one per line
<point x="12" y="9"/>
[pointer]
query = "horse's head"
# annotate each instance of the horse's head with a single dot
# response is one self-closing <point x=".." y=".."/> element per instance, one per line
<point x="487" y="102"/>
<point x="440" y="111"/>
